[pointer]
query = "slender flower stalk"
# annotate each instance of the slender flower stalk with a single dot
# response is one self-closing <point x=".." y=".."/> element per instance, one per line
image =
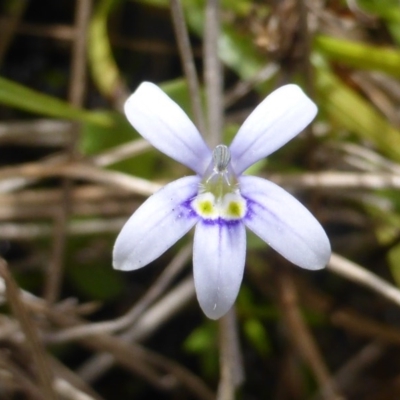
<point x="219" y="200"/>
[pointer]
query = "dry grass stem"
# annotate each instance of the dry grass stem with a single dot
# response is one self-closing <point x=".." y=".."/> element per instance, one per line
<point x="81" y="171"/>
<point x="36" y="133"/>
<point x="302" y="338"/>
<point x="358" y="274"/>
<point x="127" y="320"/>
<point x="213" y="73"/>
<point x="232" y="373"/>
<point x="242" y="88"/>
<point x="338" y="180"/>
<point x="120" y="153"/>
<point x="156" y="316"/>
<point x="13" y="231"/>
<point x="77" y="88"/>
<point x="187" y="59"/>
<point x="37" y="351"/>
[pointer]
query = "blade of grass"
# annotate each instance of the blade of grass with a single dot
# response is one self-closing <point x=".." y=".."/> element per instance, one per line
<point x="15" y="95"/>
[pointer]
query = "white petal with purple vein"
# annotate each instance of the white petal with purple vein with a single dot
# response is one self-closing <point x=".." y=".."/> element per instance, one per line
<point x="166" y="126"/>
<point x="219" y="254"/>
<point x="156" y="225"/>
<point x="279" y="118"/>
<point x="284" y="223"/>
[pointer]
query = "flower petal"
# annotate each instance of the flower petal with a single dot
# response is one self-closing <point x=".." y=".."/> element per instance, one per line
<point x="279" y="118"/>
<point x="166" y="126"/>
<point x="284" y="223"/>
<point x="218" y="261"/>
<point x="156" y="225"/>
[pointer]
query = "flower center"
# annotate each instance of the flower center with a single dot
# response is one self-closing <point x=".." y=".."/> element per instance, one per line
<point x="219" y="194"/>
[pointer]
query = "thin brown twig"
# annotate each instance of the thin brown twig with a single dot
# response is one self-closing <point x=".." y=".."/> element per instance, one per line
<point x="69" y="384"/>
<point x="55" y="31"/>
<point x="143" y="45"/>
<point x="367" y="159"/>
<point x="31" y="336"/>
<point x="244" y="87"/>
<point x="201" y="391"/>
<point x="132" y="357"/>
<point x="128" y="319"/>
<point x="76" y="96"/>
<point x="139" y="360"/>
<point x="123" y="354"/>
<point x="23" y="231"/>
<point x="323" y="180"/>
<point x="40" y="132"/>
<point x="70" y="392"/>
<point x="301" y="337"/>
<point x="77" y="88"/>
<point x="377" y="96"/>
<point x="82" y="193"/>
<point x="106" y="207"/>
<point x="87" y="200"/>
<point x="360" y="275"/>
<point x="148" y="323"/>
<point x="232" y="373"/>
<point x="12" y="182"/>
<point x="345" y="317"/>
<point x="189" y="67"/>
<point x="338" y="180"/>
<point x="81" y="171"/>
<point x="10" y="25"/>
<point x="23" y="382"/>
<point x="306" y="67"/>
<point x="348" y="374"/>
<point x="213" y="73"/>
<point x="119" y="153"/>
<point x="67" y="33"/>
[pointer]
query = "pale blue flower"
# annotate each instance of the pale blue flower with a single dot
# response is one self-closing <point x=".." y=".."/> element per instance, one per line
<point x="219" y="200"/>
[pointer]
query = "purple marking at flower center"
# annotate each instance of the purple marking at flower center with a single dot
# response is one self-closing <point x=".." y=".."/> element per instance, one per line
<point x="191" y="212"/>
<point x="187" y="205"/>
<point x="221" y="222"/>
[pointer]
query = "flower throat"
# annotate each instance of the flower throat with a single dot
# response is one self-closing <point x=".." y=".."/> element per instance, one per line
<point x="219" y="196"/>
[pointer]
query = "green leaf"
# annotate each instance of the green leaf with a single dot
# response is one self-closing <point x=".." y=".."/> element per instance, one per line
<point x="239" y="7"/>
<point x="203" y="342"/>
<point x="15" y="95"/>
<point x="394" y="28"/>
<point x="104" y="69"/>
<point x="92" y="278"/>
<point x="394" y="263"/>
<point x="201" y="339"/>
<point x="387" y="9"/>
<point x="95" y="139"/>
<point x="234" y="48"/>
<point x="257" y="335"/>
<point x="348" y="109"/>
<point x="360" y="55"/>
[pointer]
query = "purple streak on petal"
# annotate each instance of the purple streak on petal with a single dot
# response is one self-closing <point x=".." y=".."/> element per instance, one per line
<point x="284" y="223"/>
<point x="156" y="225"/>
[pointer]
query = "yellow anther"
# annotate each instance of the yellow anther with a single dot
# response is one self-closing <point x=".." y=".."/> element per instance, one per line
<point x="229" y="207"/>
